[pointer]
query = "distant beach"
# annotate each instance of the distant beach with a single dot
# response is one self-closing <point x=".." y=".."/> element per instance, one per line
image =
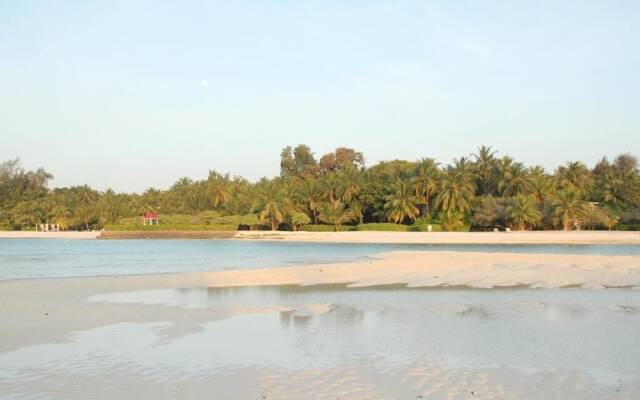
<point x="525" y="237"/>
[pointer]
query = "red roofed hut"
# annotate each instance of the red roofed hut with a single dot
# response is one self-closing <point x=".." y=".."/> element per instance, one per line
<point x="150" y="218"/>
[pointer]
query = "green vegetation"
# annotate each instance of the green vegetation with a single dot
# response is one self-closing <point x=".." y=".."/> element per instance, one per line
<point x="337" y="192"/>
<point x="170" y="227"/>
<point x="381" y="226"/>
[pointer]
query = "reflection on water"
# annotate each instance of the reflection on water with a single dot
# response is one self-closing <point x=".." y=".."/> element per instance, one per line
<point x="329" y="342"/>
<point x="49" y="258"/>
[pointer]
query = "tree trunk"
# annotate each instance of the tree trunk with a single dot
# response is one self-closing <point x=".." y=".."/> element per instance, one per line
<point x="427" y="201"/>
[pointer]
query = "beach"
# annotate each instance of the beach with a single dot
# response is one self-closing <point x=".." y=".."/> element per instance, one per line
<point x="34" y="310"/>
<point x="397" y="324"/>
<point x="514" y="237"/>
<point x="49" y="235"/>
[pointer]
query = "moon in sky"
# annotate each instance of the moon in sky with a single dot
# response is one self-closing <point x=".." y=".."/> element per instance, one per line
<point x="204" y="83"/>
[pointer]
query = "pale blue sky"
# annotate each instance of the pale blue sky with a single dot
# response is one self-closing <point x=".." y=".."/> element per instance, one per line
<point x="111" y="94"/>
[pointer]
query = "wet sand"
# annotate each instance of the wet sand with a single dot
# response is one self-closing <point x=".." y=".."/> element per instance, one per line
<point x="348" y="331"/>
<point x="39" y="310"/>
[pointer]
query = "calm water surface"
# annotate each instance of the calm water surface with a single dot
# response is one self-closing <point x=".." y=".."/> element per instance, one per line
<point x="52" y="258"/>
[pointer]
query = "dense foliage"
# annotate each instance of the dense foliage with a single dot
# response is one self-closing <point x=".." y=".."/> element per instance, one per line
<point x="479" y="192"/>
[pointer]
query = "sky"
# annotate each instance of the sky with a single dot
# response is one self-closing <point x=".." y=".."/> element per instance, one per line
<point x="135" y="94"/>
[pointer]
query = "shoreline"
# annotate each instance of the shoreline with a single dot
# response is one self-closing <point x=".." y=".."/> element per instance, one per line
<point x="378" y="237"/>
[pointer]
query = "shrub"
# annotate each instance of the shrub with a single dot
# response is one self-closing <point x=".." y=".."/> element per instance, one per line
<point x="424" y="228"/>
<point x="387" y="227"/>
<point x="326" y="228"/>
<point x="167" y="227"/>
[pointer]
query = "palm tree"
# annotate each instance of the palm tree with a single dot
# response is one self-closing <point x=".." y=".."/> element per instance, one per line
<point x="456" y="191"/>
<point x="485" y="164"/>
<point x="523" y="213"/>
<point x="107" y="208"/>
<point x="519" y="181"/>
<point x="541" y="183"/>
<point x="574" y="175"/>
<point x="86" y="195"/>
<point x="452" y="221"/>
<point x="60" y="215"/>
<point x="83" y="214"/>
<point x="330" y="187"/>
<point x="310" y="195"/>
<point x="402" y="203"/>
<point x="335" y="213"/>
<point x="426" y="180"/>
<point x="349" y="183"/>
<point x="270" y="203"/>
<point x="196" y="198"/>
<point x="219" y="189"/>
<point x="569" y="207"/>
<point x="23" y="213"/>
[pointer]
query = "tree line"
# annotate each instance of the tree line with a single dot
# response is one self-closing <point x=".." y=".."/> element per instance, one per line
<point x="481" y="191"/>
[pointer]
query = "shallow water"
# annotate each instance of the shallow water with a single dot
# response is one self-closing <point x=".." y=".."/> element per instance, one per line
<point x="330" y="342"/>
<point x="54" y="258"/>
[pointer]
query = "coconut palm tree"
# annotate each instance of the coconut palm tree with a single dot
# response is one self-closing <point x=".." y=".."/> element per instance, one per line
<point x="270" y="203"/>
<point x="541" y="184"/>
<point x="574" y="175"/>
<point x="219" y="189"/>
<point x="84" y="214"/>
<point x="106" y="206"/>
<point x="569" y="207"/>
<point x="485" y="164"/>
<point x="402" y="203"/>
<point x="456" y="191"/>
<point x="518" y="182"/>
<point x="425" y="180"/>
<point x="310" y="194"/>
<point x="60" y="215"/>
<point x="523" y="213"/>
<point x="349" y="183"/>
<point x="335" y="213"/>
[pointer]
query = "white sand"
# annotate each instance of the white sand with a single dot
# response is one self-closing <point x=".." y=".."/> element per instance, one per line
<point x="432" y="269"/>
<point x="538" y="237"/>
<point x="525" y="237"/>
<point x="49" y="235"/>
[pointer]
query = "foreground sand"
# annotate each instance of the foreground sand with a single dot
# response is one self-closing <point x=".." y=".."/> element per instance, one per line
<point x="40" y="310"/>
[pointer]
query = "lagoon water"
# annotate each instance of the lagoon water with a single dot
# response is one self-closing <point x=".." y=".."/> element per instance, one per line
<point x="56" y="258"/>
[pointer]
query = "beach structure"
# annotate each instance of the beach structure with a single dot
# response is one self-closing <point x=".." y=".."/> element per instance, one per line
<point x="150" y="218"/>
<point x="47" y="227"/>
